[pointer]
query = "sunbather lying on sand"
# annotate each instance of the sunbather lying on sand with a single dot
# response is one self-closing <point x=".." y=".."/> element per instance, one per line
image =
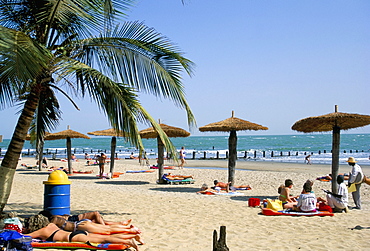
<point x="64" y="169"/>
<point x="205" y="189"/>
<point x="329" y="178"/>
<point x="38" y="226"/>
<point x="91" y="227"/>
<point x="94" y="216"/>
<point x="224" y="185"/>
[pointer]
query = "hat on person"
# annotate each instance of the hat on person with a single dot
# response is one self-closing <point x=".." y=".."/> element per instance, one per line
<point x="351" y="160"/>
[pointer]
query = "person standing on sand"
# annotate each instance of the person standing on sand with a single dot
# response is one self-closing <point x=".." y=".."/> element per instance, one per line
<point x="356" y="177"/>
<point x="101" y="161"/>
<point x="182" y="157"/>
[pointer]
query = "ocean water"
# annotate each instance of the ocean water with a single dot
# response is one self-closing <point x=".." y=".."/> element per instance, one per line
<point x="281" y="148"/>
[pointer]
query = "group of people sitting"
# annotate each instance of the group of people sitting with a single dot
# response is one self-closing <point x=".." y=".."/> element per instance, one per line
<point x="87" y="227"/>
<point x="220" y="187"/>
<point x="307" y="201"/>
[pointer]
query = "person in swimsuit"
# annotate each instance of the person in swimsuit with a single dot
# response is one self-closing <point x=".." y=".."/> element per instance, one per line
<point x="101" y="161"/>
<point x="225" y="185"/>
<point x="182" y="157"/>
<point x="284" y="194"/>
<point x="206" y="190"/>
<point x="38" y="226"/>
<point x="91" y="227"/>
<point x="177" y="177"/>
<point x="94" y="216"/>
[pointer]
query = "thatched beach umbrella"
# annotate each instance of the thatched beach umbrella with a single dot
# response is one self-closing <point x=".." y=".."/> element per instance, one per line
<point x="335" y="122"/>
<point x="232" y="125"/>
<point x="114" y="133"/>
<point x="67" y="134"/>
<point x="171" y="132"/>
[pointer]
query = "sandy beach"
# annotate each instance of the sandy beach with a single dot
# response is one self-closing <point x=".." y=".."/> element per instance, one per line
<point x="174" y="217"/>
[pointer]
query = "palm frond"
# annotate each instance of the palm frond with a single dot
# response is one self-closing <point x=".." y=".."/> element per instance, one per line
<point x="21" y="61"/>
<point x="139" y="57"/>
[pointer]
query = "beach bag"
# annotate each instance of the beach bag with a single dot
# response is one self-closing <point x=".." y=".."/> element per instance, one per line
<point x="11" y="240"/>
<point x="276" y="205"/>
<point x="323" y="207"/>
<point x="254" y="202"/>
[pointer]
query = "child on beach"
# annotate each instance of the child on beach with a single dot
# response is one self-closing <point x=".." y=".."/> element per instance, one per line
<point x="288" y="200"/>
<point x="307" y="201"/>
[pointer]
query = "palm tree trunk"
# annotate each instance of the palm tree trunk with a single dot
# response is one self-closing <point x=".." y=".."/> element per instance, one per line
<point x="232" y="156"/>
<point x="10" y="161"/>
<point x="112" y="154"/>
<point x="40" y="153"/>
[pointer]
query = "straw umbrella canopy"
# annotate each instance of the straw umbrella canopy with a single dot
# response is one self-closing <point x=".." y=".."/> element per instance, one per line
<point x="232" y="125"/>
<point x="67" y="134"/>
<point x="114" y="133"/>
<point x="335" y="122"/>
<point x="171" y="132"/>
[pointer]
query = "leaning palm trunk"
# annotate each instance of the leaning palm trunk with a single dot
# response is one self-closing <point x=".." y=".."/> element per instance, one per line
<point x="10" y="161"/>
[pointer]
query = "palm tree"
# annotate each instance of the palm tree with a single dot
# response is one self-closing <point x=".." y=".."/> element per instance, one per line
<point x="55" y="46"/>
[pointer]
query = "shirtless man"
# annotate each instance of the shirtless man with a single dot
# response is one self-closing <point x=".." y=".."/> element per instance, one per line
<point x="225" y="185"/>
<point x="288" y="201"/>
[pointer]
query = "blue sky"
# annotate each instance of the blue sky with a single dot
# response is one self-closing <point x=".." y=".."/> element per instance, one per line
<point x="272" y="62"/>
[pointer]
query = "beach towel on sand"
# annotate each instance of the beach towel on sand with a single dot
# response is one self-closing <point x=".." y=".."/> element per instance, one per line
<point x="80" y="245"/>
<point x="270" y="212"/>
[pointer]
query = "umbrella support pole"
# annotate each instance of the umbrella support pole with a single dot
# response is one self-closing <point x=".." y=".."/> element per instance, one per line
<point x="160" y="160"/>
<point x="69" y="154"/>
<point x="335" y="157"/>
<point x="232" y="156"/>
<point x="112" y="153"/>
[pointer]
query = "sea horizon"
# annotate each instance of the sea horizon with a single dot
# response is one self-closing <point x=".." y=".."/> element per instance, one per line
<point x="281" y="148"/>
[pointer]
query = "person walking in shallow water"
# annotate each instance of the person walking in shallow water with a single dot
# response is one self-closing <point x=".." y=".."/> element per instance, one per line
<point x="182" y="157"/>
<point x="308" y="159"/>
